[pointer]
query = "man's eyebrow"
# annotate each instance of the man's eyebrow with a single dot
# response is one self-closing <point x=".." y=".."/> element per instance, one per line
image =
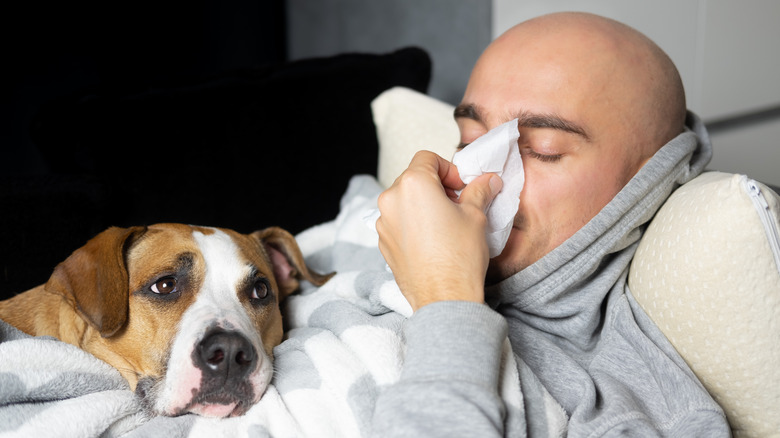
<point x="526" y="120"/>
<point x="467" y="111"/>
<point x="551" y="121"/>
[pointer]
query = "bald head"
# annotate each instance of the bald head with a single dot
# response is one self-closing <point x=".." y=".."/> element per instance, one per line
<point x="613" y="69"/>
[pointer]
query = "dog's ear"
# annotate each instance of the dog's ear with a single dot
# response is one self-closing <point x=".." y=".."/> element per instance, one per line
<point x="287" y="260"/>
<point x="94" y="279"/>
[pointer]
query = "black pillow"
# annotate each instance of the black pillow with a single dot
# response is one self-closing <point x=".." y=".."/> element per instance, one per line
<point x="243" y="150"/>
<point x="273" y="146"/>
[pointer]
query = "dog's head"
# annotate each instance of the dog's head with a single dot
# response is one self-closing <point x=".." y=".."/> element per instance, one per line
<point x="188" y="315"/>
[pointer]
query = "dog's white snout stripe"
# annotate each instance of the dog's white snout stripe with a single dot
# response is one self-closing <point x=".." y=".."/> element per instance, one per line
<point x="216" y="309"/>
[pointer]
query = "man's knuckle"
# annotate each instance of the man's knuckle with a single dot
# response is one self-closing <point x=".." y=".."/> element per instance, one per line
<point x="383" y="200"/>
<point x="422" y="155"/>
<point x="411" y="178"/>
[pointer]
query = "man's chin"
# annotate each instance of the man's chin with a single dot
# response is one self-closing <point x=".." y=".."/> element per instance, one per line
<point x="508" y="262"/>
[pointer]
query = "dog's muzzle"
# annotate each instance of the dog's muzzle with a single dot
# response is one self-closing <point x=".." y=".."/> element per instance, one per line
<point x="226" y="376"/>
<point x="225" y="357"/>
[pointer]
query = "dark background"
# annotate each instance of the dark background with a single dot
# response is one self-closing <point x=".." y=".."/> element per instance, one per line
<point x="118" y="114"/>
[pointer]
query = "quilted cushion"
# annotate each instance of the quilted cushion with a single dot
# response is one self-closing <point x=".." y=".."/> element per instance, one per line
<point x="706" y="274"/>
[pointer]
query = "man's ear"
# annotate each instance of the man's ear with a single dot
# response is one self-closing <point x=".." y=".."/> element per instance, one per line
<point x="94" y="279"/>
<point x="287" y="260"/>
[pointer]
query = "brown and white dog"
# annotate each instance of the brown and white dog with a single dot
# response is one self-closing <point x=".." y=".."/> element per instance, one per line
<point x="188" y="315"/>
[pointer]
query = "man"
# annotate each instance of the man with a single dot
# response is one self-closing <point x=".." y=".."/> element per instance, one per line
<point x="602" y="132"/>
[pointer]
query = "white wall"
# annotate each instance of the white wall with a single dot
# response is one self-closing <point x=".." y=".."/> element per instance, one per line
<point x="753" y="150"/>
<point x="727" y="54"/>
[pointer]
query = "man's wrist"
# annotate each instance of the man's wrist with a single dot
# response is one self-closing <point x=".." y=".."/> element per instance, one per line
<point x="426" y="300"/>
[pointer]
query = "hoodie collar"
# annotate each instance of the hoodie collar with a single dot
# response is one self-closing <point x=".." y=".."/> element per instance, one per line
<point x="572" y="280"/>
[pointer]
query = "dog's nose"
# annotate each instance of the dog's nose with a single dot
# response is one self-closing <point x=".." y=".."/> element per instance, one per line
<point x="229" y="355"/>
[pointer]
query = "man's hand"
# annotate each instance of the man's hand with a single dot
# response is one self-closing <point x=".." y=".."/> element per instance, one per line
<point x="433" y="242"/>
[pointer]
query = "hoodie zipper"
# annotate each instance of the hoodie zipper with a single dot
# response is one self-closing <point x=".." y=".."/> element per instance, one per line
<point x="762" y="207"/>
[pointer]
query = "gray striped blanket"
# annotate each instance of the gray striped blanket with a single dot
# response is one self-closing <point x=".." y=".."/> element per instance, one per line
<point x="344" y="344"/>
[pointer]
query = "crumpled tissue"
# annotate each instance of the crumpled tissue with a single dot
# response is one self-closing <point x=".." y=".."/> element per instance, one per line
<point x="496" y="152"/>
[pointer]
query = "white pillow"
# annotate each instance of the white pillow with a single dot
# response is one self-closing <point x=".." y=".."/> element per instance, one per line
<point x="408" y="121"/>
<point x="706" y="274"/>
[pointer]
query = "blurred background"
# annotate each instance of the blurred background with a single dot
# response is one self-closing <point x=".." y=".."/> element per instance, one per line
<point x="247" y="113"/>
<point x="726" y="52"/>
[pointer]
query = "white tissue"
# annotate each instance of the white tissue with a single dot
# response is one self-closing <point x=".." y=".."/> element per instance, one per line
<point x="496" y="152"/>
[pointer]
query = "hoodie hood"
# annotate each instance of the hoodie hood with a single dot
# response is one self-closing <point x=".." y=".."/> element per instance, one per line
<point x="564" y="293"/>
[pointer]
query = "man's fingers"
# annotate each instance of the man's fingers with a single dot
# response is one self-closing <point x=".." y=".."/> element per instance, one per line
<point x="430" y="239"/>
<point x="481" y="191"/>
<point x="446" y="171"/>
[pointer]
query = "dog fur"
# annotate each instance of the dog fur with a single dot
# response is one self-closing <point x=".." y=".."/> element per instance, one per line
<point x="188" y="315"/>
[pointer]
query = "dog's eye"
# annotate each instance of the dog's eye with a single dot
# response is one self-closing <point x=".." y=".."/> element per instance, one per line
<point x="164" y="286"/>
<point x="259" y="290"/>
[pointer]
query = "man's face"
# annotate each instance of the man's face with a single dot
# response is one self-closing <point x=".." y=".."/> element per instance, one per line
<point x="577" y="152"/>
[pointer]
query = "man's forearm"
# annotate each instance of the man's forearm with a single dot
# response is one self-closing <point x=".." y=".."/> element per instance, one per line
<point x="449" y="384"/>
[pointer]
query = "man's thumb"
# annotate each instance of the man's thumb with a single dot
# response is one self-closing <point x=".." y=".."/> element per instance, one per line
<point x="482" y="190"/>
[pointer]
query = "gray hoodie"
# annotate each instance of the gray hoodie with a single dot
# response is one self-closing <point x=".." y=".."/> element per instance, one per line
<point x="577" y="333"/>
